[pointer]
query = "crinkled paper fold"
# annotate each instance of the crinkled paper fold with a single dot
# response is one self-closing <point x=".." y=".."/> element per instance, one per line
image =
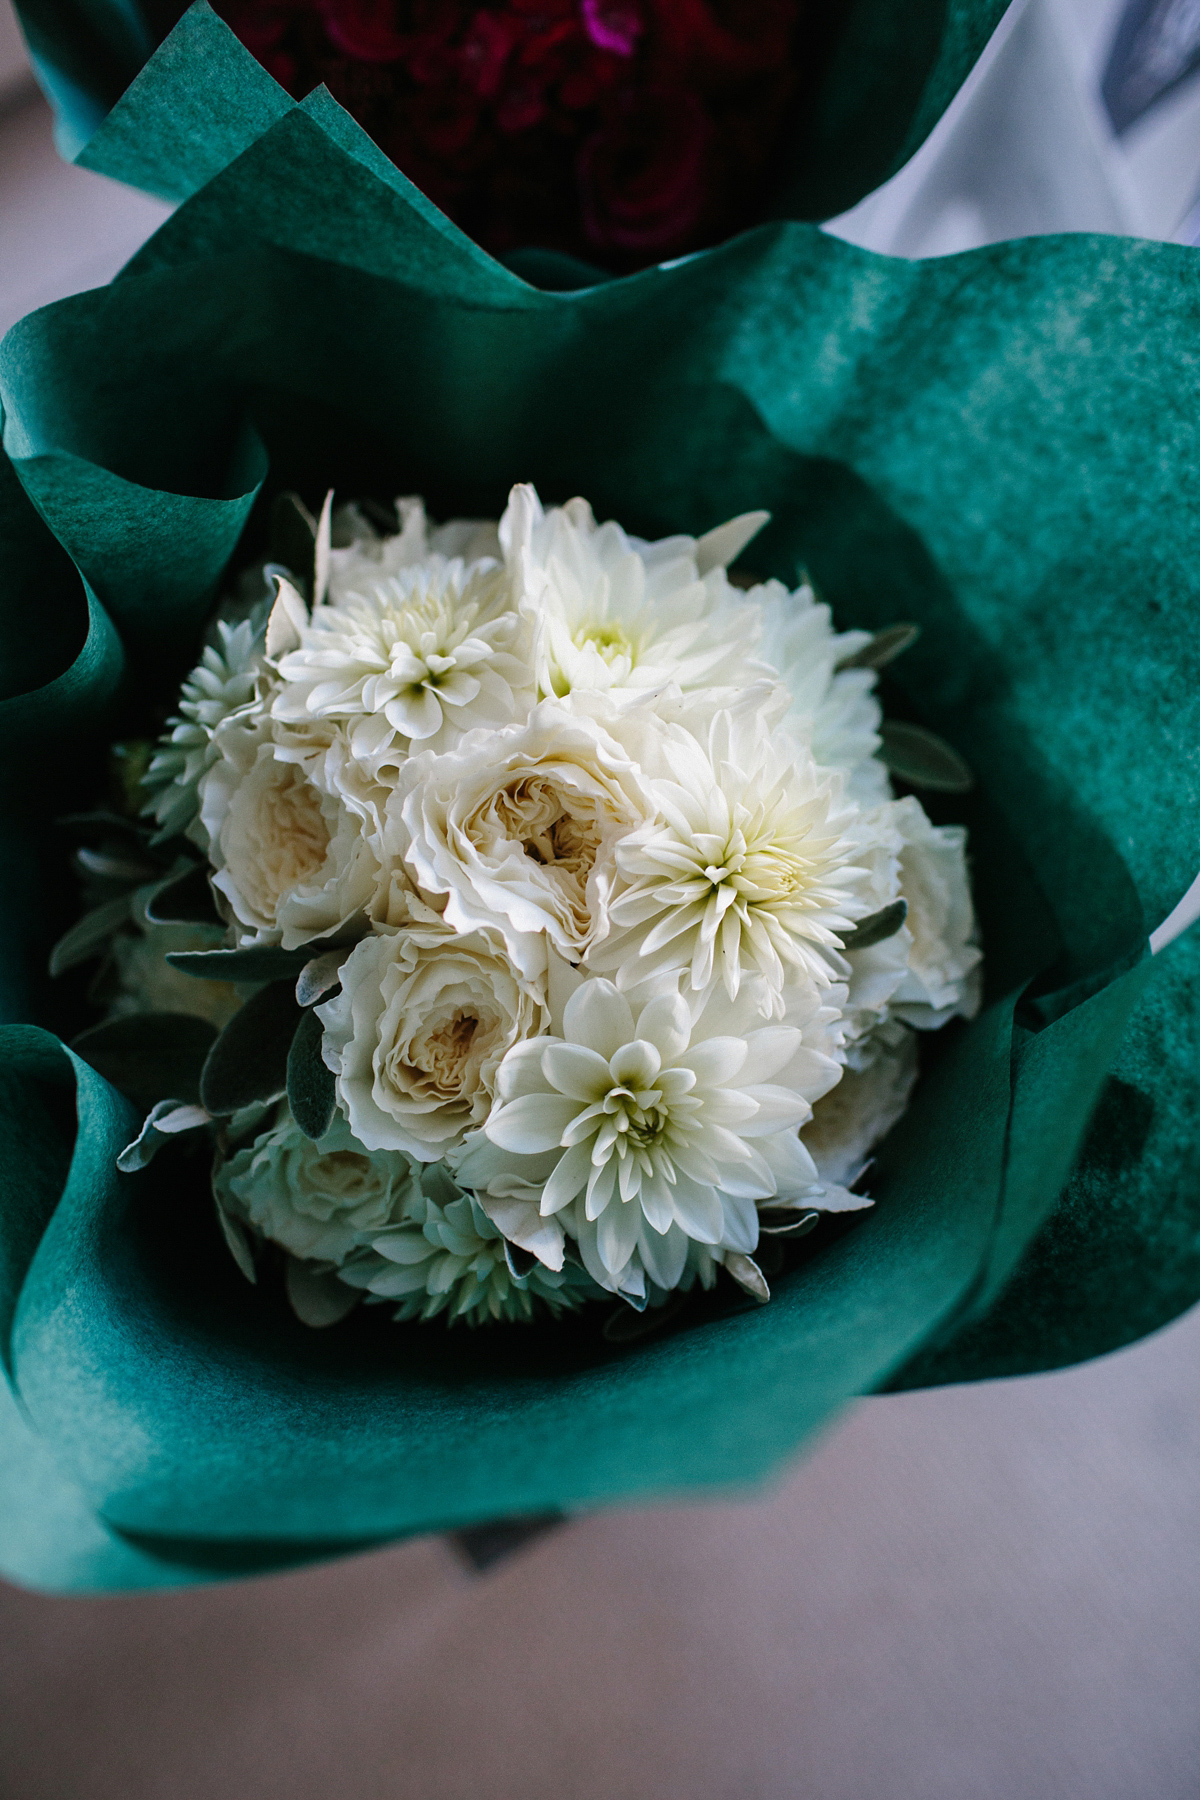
<point x="1002" y="446"/>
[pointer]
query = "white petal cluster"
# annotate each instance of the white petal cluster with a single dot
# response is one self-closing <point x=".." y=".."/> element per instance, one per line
<point x="590" y="831"/>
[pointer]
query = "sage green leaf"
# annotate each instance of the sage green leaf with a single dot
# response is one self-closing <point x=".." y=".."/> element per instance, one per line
<point x="316" y="1296"/>
<point x="249" y="1060"/>
<point x="748" y="1275"/>
<point x="520" y="1262"/>
<point x="884" y="647"/>
<point x="264" y="962"/>
<point x="923" y="759"/>
<point x="786" y="1225"/>
<point x="311" y="1088"/>
<point x="165" y="1120"/>
<point x="624" y="1326"/>
<point x="877" y="927"/>
<point x="91" y="935"/>
<point x="149" y="1056"/>
<point x="107" y="867"/>
<point x="239" y="1243"/>
<point x="319" y="977"/>
<point x="185" y="898"/>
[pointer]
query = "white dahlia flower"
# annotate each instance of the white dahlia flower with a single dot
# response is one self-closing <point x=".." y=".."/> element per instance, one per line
<point x="292" y="863"/>
<point x="224" y="683"/>
<point x="613" y="614"/>
<point x="837" y="715"/>
<point x="414" y="656"/>
<point x="754" y="863"/>
<point x="424" y="1018"/>
<point x="646" y="1131"/>
<point x="320" y="1201"/>
<point x="518" y="828"/>
<point x="448" y="1257"/>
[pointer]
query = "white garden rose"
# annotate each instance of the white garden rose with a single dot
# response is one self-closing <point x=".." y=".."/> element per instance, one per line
<point x="320" y="1201"/>
<point x="755" y="863"/>
<point x="850" y="1120"/>
<point x="292" y="861"/>
<point x="518" y="828"/>
<point x="943" y="971"/>
<point x="414" y="652"/>
<point x="423" y="1021"/>
<point x="646" y="1131"/>
<point x="614" y="614"/>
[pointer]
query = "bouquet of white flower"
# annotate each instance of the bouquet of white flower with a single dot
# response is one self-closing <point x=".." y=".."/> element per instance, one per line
<point x="583" y="939"/>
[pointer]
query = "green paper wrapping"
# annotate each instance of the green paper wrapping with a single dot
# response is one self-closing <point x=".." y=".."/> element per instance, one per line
<point x="888" y="73"/>
<point x="1001" y="446"/>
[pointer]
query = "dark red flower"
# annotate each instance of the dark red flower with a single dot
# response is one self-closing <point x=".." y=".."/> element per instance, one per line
<point x="364" y="29"/>
<point x="623" y="130"/>
<point x="488" y="46"/>
<point x="642" y="175"/>
<point x="613" y="25"/>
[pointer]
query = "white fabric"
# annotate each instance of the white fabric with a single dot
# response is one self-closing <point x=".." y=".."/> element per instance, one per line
<point x="1027" y="147"/>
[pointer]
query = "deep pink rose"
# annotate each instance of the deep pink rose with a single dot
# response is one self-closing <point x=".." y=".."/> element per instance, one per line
<point x="364" y="29"/>
<point x="614" y="25"/>
<point x="642" y="175"/>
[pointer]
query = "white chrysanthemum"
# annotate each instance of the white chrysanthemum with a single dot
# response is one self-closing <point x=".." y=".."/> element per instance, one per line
<point x="837" y="715"/>
<point x="448" y="1257"/>
<point x="755" y="863"/>
<point x="291" y="860"/>
<point x="415" y="1037"/>
<point x="613" y="614"/>
<point x="416" y="655"/>
<point x="223" y="683"/>
<point x="850" y="1120"/>
<point x="646" y="1131"/>
<point x="361" y="554"/>
<point x="320" y="1201"/>
<point x="518" y="828"/>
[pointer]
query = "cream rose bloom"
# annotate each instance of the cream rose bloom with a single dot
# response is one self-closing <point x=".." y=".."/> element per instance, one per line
<point x="320" y="1201"/>
<point x="424" y="1018"/>
<point x="518" y="829"/>
<point x="850" y="1120"/>
<point x="292" y="861"/>
<point x="942" y="977"/>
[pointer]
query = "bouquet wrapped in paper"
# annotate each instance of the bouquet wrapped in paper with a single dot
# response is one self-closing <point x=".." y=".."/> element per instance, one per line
<point x="995" y="449"/>
<point x="618" y="132"/>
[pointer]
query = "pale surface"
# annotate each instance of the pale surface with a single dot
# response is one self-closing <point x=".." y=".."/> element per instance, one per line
<point x="971" y="1594"/>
